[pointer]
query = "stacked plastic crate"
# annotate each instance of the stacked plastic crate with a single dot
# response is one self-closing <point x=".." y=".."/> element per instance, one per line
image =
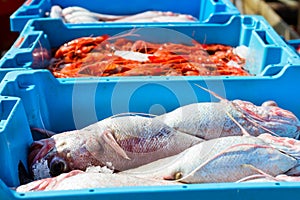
<point x="32" y="97"/>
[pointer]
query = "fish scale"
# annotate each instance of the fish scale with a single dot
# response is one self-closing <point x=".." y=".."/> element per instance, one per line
<point x="205" y="120"/>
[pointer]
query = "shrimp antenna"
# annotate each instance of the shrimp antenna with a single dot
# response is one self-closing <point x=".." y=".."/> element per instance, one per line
<point x="249" y="118"/>
<point x="211" y="92"/>
<point x="238" y="124"/>
<point x="132" y="32"/>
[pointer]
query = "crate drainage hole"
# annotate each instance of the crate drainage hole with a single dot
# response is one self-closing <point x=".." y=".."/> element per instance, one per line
<point x="91" y="190"/>
<point x="184" y="186"/>
<point x="277" y="183"/>
<point x="22" y="194"/>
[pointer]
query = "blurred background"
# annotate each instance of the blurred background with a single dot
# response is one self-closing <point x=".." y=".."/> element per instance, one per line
<point x="283" y="15"/>
<point x="7" y="38"/>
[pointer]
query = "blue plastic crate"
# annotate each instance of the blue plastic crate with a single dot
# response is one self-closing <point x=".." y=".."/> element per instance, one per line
<point x="206" y="11"/>
<point x="34" y="98"/>
<point x="268" y="53"/>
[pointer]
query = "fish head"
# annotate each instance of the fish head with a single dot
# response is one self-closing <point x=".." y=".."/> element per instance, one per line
<point x="45" y="160"/>
<point x="269" y="117"/>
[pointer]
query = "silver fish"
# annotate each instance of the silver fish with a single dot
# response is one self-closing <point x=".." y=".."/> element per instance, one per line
<point x="218" y="160"/>
<point x="72" y="13"/>
<point x="77" y="179"/>
<point x="56" y="12"/>
<point x="123" y="141"/>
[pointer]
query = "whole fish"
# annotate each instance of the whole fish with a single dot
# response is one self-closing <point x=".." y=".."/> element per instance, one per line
<point x="218" y="160"/>
<point x="210" y="120"/>
<point x="121" y="142"/>
<point x="78" y="179"/>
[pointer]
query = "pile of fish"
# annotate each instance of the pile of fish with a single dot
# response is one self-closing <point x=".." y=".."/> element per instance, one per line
<point x="206" y="142"/>
<point x="76" y="14"/>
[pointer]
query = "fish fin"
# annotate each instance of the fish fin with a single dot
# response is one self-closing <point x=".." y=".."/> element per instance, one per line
<point x="245" y="133"/>
<point x="269" y="103"/>
<point x="43" y="131"/>
<point x="134" y="114"/>
<point x="252" y="167"/>
<point x="24" y="176"/>
<point x="212" y="93"/>
<point x="109" y="138"/>
<point x="261" y="174"/>
<point x="248" y="178"/>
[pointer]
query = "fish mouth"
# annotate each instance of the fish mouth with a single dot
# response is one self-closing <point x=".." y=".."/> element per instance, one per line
<point x="38" y="150"/>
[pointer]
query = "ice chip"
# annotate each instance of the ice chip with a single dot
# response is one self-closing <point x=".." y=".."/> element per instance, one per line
<point x="41" y="170"/>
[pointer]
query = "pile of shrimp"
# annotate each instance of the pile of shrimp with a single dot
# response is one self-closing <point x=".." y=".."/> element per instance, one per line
<point x="101" y="56"/>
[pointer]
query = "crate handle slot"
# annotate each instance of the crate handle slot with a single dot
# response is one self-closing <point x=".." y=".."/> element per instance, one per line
<point x="7" y="107"/>
<point x="248" y="21"/>
<point x="262" y="36"/>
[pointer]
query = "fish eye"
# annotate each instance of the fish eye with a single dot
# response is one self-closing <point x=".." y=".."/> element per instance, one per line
<point x="178" y="175"/>
<point x="57" y="166"/>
